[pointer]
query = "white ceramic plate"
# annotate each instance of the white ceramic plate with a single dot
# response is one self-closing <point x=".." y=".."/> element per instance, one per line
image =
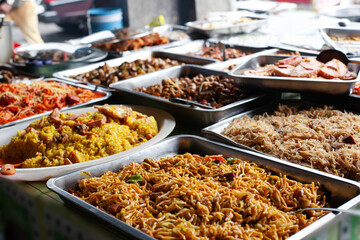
<point x="165" y="121"/>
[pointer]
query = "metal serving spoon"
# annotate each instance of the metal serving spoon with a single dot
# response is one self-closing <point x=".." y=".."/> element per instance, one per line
<point x="328" y="55"/>
<point x="350" y="211"/>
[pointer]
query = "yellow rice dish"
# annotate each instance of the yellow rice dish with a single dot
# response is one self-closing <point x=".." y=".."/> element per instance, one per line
<point x="64" y="138"/>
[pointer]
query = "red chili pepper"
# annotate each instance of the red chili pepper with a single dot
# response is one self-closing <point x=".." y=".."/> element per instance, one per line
<point x="60" y="128"/>
<point x="216" y="159"/>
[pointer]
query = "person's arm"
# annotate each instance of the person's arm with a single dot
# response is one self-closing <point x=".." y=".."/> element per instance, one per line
<point x="5" y="7"/>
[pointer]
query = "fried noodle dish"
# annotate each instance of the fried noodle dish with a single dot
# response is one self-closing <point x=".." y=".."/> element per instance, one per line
<point x="322" y="138"/>
<point x="193" y="197"/>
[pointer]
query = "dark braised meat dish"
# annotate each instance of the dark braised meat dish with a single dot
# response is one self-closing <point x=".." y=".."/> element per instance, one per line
<point x="133" y="44"/>
<point x="51" y="54"/>
<point x="10" y="76"/>
<point x="215" y="53"/>
<point x="214" y="91"/>
<point x="106" y="75"/>
<point x="305" y="68"/>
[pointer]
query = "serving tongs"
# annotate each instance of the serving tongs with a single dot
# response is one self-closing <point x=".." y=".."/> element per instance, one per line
<point x="188" y="102"/>
<point x="222" y="48"/>
<point x="350" y="211"/>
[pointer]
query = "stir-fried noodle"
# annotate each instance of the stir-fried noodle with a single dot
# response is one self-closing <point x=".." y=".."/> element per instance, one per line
<point x="192" y="197"/>
<point x="323" y="138"/>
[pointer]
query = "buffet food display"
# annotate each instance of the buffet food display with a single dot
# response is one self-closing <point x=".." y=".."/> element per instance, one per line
<point x="274" y="161"/>
<point x="22" y="100"/>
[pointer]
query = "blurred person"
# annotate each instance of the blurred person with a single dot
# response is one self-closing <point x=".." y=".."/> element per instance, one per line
<point x="23" y="13"/>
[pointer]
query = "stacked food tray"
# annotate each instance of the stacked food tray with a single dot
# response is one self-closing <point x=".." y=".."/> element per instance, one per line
<point x="346" y="40"/>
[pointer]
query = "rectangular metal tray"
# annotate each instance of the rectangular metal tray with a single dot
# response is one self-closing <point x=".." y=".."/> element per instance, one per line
<point x="214" y="131"/>
<point x="106" y="96"/>
<point x="172" y="43"/>
<point x="340" y="193"/>
<point x="291" y="84"/>
<point x="65" y="75"/>
<point x="350" y="47"/>
<point x="195" y="116"/>
<point x="195" y="46"/>
<point x="224" y="66"/>
<point x="246" y="27"/>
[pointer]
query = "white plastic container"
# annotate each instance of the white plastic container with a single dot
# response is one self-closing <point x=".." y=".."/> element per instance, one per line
<point x="6" y="42"/>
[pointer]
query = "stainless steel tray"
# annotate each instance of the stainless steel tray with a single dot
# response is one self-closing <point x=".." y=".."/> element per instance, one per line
<point x="290" y="84"/>
<point x="173" y="32"/>
<point x="87" y="56"/>
<point x="195" y="46"/>
<point x="341" y="193"/>
<point x="287" y="50"/>
<point x="350" y="47"/>
<point x="107" y="35"/>
<point x="106" y="96"/>
<point x="196" y="116"/>
<point x="247" y="27"/>
<point x="214" y="131"/>
<point x="172" y="43"/>
<point x="233" y="63"/>
<point x="224" y="66"/>
<point x="65" y="75"/>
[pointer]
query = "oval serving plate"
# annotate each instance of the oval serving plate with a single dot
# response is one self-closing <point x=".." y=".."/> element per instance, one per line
<point x="165" y="121"/>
